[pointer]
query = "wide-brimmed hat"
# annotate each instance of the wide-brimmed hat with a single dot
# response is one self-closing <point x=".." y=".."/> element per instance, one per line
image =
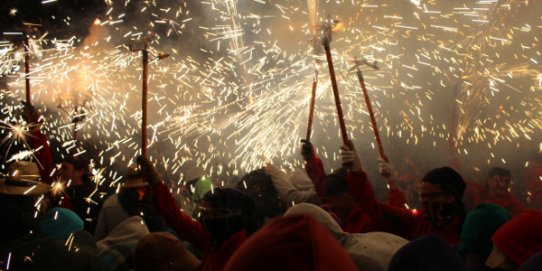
<point x="134" y="178"/>
<point x="23" y="179"/>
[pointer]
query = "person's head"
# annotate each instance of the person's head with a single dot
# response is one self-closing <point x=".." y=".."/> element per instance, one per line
<point x="19" y="191"/>
<point x="498" y="181"/>
<point x="225" y="212"/>
<point x="75" y="169"/>
<point x="475" y="240"/>
<point x="198" y="187"/>
<point x="162" y="251"/>
<point x="441" y="192"/>
<point x="336" y="194"/>
<point x="516" y="241"/>
<point x="293" y="242"/>
<point x="260" y="187"/>
<point x="134" y="178"/>
<point x="430" y="252"/>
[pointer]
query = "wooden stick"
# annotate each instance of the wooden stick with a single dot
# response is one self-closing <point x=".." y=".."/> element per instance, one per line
<point x="311" y="108"/>
<point x="335" y="91"/>
<point x="145" y="57"/>
<point x="372" y="115"/>
<point x="27" y="70"/>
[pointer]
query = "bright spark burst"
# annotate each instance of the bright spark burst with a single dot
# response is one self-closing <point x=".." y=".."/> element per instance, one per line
<point x="244" y="91"/>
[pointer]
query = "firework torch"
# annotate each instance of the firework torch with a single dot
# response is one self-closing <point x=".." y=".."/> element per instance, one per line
<point x="144" y="87"/>
<point x="357" y="64"/>
<point x="325" y="41"/>
<point x="27" y="69"/>
<point x="311" y="108"/>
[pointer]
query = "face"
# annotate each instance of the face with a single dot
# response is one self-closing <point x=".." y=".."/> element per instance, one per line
<point x="69" y="172"/>
<point x="433" y="199"/>
<point x="498" y="185"/>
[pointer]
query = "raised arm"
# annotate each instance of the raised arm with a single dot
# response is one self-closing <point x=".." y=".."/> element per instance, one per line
<point x="313" y="166"/>
<point x="286" y="190"/>
<point x="187" y="228"/>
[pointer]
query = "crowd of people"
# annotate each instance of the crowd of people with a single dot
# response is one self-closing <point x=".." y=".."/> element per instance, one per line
<point x="268" y="219"/>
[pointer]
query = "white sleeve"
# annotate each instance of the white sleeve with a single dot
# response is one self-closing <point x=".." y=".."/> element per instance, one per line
<point x="286" y="190"/>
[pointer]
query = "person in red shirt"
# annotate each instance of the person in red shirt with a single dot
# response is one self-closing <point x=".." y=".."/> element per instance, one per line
<point x="37" y="142"/>
<point x="440" y="194"/>
<point x="338" y="197"/>
<point x="225" y="216"/>
<point x="497" y="191"/>
<point x="533" y="182"/>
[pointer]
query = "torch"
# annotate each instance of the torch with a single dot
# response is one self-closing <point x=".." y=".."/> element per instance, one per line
<point x="325" y="41"/>
<point x="145" y="77"/>
<point x="357" y="64"/>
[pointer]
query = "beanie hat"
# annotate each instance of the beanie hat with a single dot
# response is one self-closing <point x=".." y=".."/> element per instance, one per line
<point x="163" y="251"/>
<point x="448" y="179"/>
<point x="428" y="253"/>
<point x="294" y="242"/>
<point x="480" y="224"/>
<point x="521" y="237"/>
<point x="60" y="223"/>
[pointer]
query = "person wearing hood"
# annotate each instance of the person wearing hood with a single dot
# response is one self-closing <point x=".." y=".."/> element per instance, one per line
<point x="516" y="241"/>
<point x="223" y="220"/>
<point x="117" y="249"/>
<point x="427" y="253"/>
<point x="291" y="243"/>
<point x="475" y="241"/>
<point x="133" y="199"/>
<point x="150" y="254"/>
<point x="441" y="191"/>
<point x="370" y="251"/>
<point x="497" y="191"/>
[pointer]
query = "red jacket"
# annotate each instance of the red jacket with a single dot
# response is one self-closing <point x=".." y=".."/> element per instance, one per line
<point x="507" y="201"/>
<point x="403" y="222"/>
<point x="315" y="170"/>
<point x="215" y="257"/>
<point x="357" y="220"/>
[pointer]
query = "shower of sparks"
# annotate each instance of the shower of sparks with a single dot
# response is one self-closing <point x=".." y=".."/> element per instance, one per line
<point x="463" y="73"/>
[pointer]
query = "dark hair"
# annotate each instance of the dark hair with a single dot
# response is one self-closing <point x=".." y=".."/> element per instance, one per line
<point x="133" y="206"/>
<point x="80" y="163"/>
<point x="17" y="216"/>
<point x="260" y="187"/>
<point x="335" y="183"/>
<point x="448" y="179"/>
<point x="230" y="199"/>
<point x="499" y="171"/>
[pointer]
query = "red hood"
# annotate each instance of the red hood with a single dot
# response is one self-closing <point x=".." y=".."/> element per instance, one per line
<point x="297" y="243"/>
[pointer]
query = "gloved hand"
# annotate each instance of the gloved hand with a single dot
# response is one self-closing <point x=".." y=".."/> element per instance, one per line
<point x="387" y="170"/>
<point x="350" y="158"/>
<point x="30" y="114"/>
<point x="307" y="150"/>
<point x="148" y="170"/>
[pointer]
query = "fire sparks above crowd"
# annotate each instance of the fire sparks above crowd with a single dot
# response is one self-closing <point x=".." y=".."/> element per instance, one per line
<point x="237" y="86"/>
